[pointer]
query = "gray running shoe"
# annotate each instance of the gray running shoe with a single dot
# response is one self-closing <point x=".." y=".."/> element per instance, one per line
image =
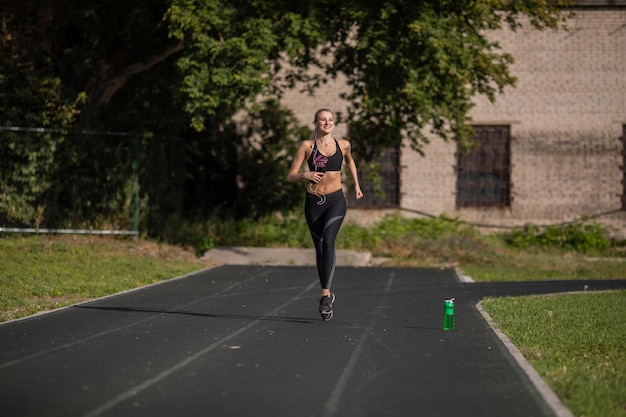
<point x="326" y="306"/>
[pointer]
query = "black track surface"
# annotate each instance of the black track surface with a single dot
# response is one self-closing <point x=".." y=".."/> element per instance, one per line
<point x="248" y="341"/>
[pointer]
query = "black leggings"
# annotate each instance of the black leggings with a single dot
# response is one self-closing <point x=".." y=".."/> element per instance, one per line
<point x="324" y="215"/>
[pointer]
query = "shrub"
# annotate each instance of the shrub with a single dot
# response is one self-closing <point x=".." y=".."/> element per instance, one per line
<point x="581" y="236"/>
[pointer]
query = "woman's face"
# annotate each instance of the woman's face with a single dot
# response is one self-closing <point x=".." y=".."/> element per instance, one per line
<point x="325" y="122"/>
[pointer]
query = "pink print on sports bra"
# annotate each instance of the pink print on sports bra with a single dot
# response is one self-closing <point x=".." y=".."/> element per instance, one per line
<point x="320" y="161"/>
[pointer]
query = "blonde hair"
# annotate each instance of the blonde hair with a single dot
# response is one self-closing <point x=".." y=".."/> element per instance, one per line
<point x="317" y="113"/>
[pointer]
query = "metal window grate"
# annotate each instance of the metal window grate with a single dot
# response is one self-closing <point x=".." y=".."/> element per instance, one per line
<point x="380" y="182"/>
<point x="484" y="173"/>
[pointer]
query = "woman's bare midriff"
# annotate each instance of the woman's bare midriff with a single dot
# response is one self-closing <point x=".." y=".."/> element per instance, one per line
<point x="330" y="183"/>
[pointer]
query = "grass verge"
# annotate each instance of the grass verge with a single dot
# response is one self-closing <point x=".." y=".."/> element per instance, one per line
<point x="576" y="342"/>
<point x="39" y="273"/>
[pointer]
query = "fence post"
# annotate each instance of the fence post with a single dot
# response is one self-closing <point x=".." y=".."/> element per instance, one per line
<point x="135" y="190"/>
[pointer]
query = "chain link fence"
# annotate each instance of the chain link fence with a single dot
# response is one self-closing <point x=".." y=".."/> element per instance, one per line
<point x="74" y="182"/>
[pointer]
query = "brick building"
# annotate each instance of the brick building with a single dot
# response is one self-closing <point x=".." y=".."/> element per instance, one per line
<point x="553" y="148"/>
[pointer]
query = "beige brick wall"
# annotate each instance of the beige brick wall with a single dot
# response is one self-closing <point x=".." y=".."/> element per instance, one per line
<point x="304" y="106"/>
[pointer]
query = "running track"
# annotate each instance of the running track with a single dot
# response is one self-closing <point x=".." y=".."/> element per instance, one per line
<point x="248" y="341"/>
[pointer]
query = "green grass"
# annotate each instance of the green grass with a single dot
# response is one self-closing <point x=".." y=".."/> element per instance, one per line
<point x="541" y="265"/>
<point x="39" y="273"/>
<point x="576" y="342"/>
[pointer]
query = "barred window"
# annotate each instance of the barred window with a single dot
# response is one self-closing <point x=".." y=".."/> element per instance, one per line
<point x="380" y="182"/>
<point x="484" y="173"/>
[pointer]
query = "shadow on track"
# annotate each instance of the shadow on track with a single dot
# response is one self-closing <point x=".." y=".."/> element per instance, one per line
<point x="300" y="320"/>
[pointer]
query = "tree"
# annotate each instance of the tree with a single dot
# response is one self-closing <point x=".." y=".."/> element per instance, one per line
<point x="31" y="95"/>
<point x="410" y="64"/>
<point x="418" y="64"/>
<point x="177" y="72"/>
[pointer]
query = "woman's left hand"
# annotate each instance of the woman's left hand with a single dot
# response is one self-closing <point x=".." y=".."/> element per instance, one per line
<point x="358" y="193"/>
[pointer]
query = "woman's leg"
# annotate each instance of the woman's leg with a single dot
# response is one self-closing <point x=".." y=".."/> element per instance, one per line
<point x="324" y="221"/>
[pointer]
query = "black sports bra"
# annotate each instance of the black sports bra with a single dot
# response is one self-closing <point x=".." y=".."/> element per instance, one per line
<point x="322" y="163"/>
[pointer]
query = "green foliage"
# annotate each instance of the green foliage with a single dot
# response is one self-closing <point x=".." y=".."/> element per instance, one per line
<point x="64" y="180"/>
<point x="264" y="158"/>
<point x="88" y="182"/>
<point x="32" y="95"/>
<point x="440" y="240"/>
<point x="226" y="172"/>
<point x="224" y="60"/>
<point x="581" y="236"/>
<point x="404" y="242"/>
<point x="276" y="230"/>
<point x="409" y="64"/>
<point x="417" y="64"/>
<point x="395" y="226"/>
<point x="25" y="172"/>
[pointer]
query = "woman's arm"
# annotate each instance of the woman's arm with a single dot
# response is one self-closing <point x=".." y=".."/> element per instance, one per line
<point x="294" y="172"/>
<point x="347" y="156"/>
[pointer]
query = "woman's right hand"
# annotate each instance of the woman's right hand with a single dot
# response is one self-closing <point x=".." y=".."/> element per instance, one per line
<point x="313" y="176"/>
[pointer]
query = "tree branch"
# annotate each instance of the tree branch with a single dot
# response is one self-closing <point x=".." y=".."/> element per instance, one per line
<point x="102" y="87"/>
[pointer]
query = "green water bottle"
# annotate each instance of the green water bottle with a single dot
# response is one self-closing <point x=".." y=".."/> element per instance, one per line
<point x="448" y="314"/>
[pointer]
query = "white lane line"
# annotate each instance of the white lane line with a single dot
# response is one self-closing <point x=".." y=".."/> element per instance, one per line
<point x="189" y="359"/>
<point x="332" y="405"/>
<point x="117" y="329"/>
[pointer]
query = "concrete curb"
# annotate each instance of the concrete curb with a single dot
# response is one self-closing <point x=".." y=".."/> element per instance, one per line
<point x="241" y="255"/>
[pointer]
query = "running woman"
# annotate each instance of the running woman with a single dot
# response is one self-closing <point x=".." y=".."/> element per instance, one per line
<point x="325" y="204"/>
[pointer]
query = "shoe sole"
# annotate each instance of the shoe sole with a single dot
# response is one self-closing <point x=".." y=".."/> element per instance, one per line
<point x="327" y="316"/>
